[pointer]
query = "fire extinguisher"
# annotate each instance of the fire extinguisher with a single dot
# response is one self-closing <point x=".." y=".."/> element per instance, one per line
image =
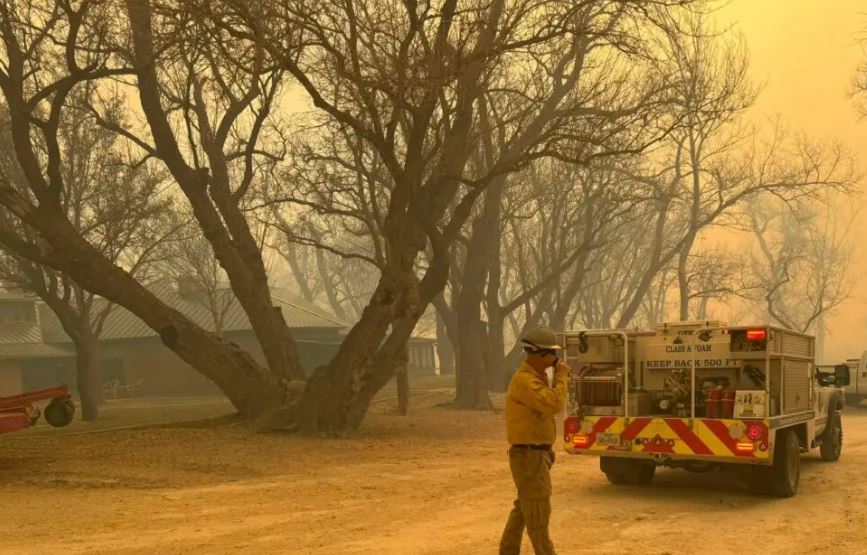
<point x="713" y="402"/>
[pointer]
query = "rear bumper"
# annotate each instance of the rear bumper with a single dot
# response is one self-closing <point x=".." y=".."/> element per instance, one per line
<point x="670" y="439"/>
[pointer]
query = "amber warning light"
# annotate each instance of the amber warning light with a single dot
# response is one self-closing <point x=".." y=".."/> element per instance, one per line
<point x="755" y="335"/>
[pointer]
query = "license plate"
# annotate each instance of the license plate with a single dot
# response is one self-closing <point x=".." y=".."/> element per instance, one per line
<point x="608" y="439"/>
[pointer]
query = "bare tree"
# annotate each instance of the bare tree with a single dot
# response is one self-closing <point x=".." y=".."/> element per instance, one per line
<point x="712" y="163"/>
<point x="712" y="276"/>
<point x="859" y="80"/>
<point x="117" y="208"/>
<point x="408" y="83"/>
<point x="334" y="254"/>
<point x="557" y="217"/>
<point x="802" y="261"/>
<point x="715" y="276"/>
<point x="714" y="91"/>
<point x="190" y="263"/>
<point x="220" y="92"/>
<point x="51" y="48"/>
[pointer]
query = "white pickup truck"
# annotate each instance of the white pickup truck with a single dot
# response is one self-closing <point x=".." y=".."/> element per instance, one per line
<point x="856" y="391"/>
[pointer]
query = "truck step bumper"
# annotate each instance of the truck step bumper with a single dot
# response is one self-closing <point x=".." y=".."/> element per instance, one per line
<point x="662" y="438"/>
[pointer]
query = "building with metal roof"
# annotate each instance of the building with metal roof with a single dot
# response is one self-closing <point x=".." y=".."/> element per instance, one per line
<point x="35" y="351"/>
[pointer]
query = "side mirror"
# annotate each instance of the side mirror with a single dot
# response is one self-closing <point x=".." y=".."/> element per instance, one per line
<point x="841" y="375"/>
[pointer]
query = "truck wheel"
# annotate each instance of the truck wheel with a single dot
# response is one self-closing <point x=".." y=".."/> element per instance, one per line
<point x="786" y="471"/>
<point x="640" y="474"/>
<point x="832" y="442"/>
<point x="620" y="471"/>
<point x="59" y="412"/>
<point x="613" y="470"/>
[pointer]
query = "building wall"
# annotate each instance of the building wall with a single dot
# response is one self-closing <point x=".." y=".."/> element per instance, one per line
<point x="315" y="347"/>
<point x="156" y="369"/>
<point x="161" y="372"/>
<point x="10" y="378"/>
<point x="42" y="373"/>
<point x="421" y="357"/>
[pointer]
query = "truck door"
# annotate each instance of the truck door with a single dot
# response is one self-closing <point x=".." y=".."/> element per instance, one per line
<point x="821" y="402"/>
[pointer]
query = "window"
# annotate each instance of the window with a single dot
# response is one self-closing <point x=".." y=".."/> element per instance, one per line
<point x="17" y="313"/>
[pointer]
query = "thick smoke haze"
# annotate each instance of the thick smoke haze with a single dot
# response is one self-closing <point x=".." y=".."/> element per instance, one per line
<point x="804" y="53"/>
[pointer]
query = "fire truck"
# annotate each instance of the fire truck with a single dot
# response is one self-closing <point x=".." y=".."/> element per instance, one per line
<point x="700" y="396"/>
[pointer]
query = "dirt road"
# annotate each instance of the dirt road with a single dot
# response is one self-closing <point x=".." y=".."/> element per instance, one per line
<point x="434" y="482"/>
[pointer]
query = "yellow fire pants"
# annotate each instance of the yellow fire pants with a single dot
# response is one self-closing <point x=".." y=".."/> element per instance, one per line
<point x="531" y="471"/>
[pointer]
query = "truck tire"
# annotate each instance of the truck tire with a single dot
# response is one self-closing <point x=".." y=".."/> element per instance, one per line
<point x="613" y="470"/>
<point x="786" y="471"/>
<point x="622" y="471"/>
<point x="59" y="412"/>
<point x="640" y="474"/>
<point x="616" y="478"/>
<point x="832" y="440"/>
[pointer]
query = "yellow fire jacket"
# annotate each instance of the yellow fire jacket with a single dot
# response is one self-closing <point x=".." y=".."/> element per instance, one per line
<point x="531" y="406"/>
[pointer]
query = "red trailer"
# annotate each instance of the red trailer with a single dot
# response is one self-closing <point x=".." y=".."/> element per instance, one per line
<point x="21" y="411"/>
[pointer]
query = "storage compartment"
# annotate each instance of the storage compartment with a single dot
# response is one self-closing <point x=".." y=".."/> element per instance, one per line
<point x="598" y="349"/>
<point x="642" y="403"/>
<point x="796" y="386"/>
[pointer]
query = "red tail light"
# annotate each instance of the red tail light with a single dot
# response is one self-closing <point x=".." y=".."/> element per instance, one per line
<point x="754" y="432"/>
<point x="744" y="446"/>
<point x="756" y="335"/>
<point x="580" y="442"/>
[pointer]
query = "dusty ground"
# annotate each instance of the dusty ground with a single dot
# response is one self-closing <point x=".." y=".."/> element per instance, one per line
<point x="434" y="482"/>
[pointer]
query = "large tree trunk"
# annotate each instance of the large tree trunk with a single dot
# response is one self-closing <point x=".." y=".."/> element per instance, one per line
<point x="497" y="367"/>
<point x="87" y="374"/>
<point x="338" y="394"/>
<point x="496" y="377"/>
<point x="253" y="390"/>
<point x="477" y="356"/>
<point x="270" y="327"/>
<point x="472" y="375"/>
<point x="381" y="369"/>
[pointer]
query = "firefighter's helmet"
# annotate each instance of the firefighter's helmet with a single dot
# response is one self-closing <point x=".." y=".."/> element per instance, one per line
<point x="540" y="339"/>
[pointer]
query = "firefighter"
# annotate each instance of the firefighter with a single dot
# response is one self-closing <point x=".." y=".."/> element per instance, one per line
<point x="531" y="431"/>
